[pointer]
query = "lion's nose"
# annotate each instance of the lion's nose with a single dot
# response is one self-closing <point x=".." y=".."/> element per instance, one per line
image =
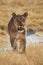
<point x="21" y="24"/>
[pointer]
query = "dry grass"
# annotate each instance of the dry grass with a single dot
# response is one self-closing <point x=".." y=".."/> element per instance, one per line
<point x="34" y="9"/>
<point x="34" y="54"/>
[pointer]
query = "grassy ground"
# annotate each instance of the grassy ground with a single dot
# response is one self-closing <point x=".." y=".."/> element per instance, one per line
<point x="33" y="7"/>
<point x="34" y="54"/>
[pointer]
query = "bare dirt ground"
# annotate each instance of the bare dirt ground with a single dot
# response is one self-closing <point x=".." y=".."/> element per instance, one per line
<point x="34" y="50"/>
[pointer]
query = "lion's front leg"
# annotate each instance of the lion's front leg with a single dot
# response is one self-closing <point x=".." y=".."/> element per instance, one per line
<point x="13" y="44"/>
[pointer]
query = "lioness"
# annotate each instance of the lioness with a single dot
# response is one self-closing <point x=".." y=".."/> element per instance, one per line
<point x="16" y="29"/>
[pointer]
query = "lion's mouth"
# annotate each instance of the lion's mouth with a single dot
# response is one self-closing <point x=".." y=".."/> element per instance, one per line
<point x="20" y="29"/>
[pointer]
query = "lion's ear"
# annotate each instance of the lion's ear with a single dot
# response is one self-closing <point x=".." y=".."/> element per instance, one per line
<point x="25" y="14"/>
<point x="14" y="15"/>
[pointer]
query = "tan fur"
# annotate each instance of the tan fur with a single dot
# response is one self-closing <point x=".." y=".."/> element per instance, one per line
<point x="16" y="28"/>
